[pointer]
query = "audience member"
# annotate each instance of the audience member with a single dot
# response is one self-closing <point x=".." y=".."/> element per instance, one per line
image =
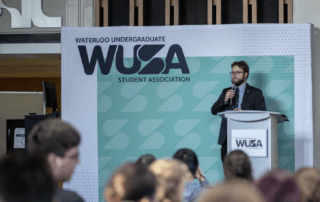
<point x="279" y="186"/>
<point x="33" y="178"/>
<point x="237" y="165"/>
<point x="145" y="160"/>
<point x="308" y="180"/>
<point x="192" y="189"/>
<point x="235" y="191"/>
<point x="58" y="142"/>
<point x="25" y="178"/>
<point x="171" y="176"/>
<point x="131" y="182"/>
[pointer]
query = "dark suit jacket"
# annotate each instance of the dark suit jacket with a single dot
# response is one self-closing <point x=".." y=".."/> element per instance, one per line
<point x="68" y="196"/>
<point x="252" y="100"/>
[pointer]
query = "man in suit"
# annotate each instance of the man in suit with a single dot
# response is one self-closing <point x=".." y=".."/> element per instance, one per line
<point x="241" y="97"/>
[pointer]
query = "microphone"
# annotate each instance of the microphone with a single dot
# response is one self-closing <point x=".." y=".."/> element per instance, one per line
<point x="232" y="86"/>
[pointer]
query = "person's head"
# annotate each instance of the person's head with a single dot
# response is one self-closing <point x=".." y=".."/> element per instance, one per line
<point x="235" y="191"/>
<point x="239" y="72"/>
<point x="25" y="178"/>
<point x="130" y="182"/>
<point x="279" y="186"/>
<point x="58" y="142"/>
<point x="171" y="176"/>
<point x="237" y="165"/>
<point x="188" y="157"/>
<point x="145" y="160"/>
<point x="308" y="180"/>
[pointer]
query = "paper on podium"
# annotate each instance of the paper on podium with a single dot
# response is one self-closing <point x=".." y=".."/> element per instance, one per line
<point x="19" y="138"/>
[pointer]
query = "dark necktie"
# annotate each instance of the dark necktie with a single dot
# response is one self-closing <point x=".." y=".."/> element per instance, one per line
<point x="235" y="101"/>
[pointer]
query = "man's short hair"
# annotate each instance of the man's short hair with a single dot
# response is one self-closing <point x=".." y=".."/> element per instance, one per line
<point x="189" y="157"/>
<point x="52" y="136"/>
<point x="243" y="65"/>
<point x="25" y="178"/>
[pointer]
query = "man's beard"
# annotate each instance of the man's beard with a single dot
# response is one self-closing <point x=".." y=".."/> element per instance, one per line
<point x="239" y="81"/>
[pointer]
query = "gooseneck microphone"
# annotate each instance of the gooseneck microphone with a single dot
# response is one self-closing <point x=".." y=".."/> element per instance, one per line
<point x="232" y="87"/>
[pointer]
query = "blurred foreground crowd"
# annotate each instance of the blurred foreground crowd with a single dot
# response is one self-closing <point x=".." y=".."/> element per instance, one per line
<point x="53" y="153"/>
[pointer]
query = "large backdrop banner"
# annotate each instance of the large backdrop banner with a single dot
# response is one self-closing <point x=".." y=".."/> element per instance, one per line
<point x="137" y="90"/>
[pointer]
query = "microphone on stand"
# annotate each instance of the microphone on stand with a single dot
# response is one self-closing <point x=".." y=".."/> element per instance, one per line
<point x="232" y="86"/>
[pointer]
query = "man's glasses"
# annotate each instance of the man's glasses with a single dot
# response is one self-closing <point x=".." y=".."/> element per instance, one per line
<point x="235" y="73"/>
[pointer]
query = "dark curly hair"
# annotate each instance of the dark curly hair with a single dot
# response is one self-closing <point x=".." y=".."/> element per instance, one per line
<point x="188" y="157"/>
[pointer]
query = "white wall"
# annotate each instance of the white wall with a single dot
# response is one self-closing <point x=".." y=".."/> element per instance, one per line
<point x="78" y="13"/>
<point x="307" y="11"/>
<point x="51" y="8"/>
<point x="15" y="105"/>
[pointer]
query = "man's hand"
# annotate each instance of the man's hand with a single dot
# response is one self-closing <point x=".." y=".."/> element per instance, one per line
<point x="237" y="109"/>
<point x="199" y="175"/>
<point x="229" y="94"/>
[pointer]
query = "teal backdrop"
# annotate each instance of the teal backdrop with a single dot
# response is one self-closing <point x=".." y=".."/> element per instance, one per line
<point x="135" y="118"/>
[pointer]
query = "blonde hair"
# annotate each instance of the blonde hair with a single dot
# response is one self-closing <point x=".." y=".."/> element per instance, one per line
<point x="171" y="175"/>
<point x="308" y="180"/>
<point x="232" y="191"/>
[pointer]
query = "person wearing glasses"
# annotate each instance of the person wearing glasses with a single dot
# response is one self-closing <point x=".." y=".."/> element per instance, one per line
<point x="240" y="96"/>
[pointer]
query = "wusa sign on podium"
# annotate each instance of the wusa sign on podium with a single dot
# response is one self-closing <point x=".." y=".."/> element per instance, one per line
<point x="256" y="133"/>
<point x="253" y="142"/>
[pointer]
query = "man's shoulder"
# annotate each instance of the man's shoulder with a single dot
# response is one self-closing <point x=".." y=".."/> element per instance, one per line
<point x="68" y="196"/>
<point x="254" y="89"/>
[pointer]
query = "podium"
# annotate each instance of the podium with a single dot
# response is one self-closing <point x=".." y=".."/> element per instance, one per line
<point x="256" y="133"/>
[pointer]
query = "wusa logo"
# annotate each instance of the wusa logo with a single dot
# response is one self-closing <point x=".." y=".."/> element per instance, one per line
<point x="249" y="143"/>
<point x="141" y="54"/>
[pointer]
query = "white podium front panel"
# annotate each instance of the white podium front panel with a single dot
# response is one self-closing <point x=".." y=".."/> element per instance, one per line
<point x="260" y="165"/>
<point x="252" y="141"/>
